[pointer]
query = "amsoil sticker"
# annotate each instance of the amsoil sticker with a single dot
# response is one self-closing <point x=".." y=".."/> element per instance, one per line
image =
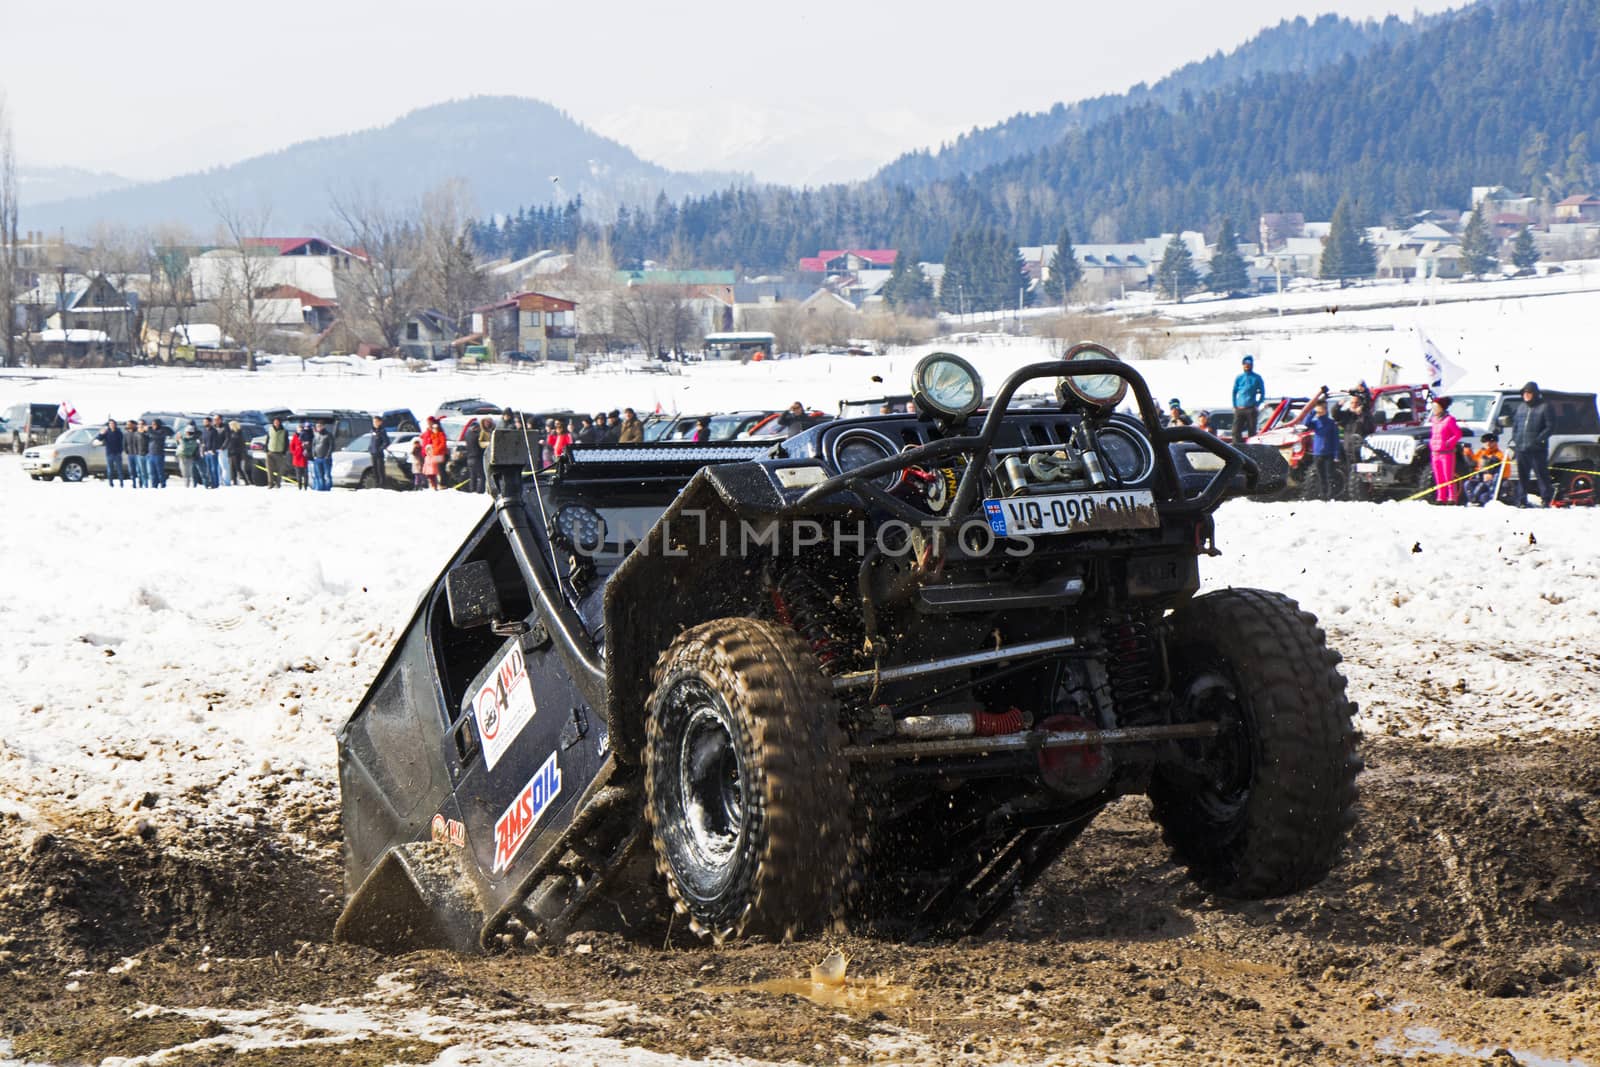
<point x="515" y="826"/>
<point x="448" y="831"/>
<point x="504" y="705"/>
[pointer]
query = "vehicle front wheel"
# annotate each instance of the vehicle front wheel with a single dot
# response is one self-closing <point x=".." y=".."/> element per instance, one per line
<point x="74" y="470"/>
<point x="747" y="789"/>
<point x="1263" y="808"/>
<point x="1311" y="488"/>
<point x="366" y="479"/>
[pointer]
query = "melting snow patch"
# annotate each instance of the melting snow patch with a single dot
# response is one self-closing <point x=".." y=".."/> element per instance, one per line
<point x="477" y="1037"/>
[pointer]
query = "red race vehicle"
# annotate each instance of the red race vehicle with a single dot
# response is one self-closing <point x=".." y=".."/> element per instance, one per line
<point x="1393" y="407"/>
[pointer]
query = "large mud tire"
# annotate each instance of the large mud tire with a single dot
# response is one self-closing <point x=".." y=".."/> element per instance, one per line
<point x="747" y="789"/>
<point x="1270" y="814"/>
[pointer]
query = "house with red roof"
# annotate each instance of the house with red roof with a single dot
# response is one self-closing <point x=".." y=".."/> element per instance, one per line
<point x="302" y="246"/>
<point x="1579" y="207"/>
<point x="537" y="325"/>
<point x="848" y="260"/>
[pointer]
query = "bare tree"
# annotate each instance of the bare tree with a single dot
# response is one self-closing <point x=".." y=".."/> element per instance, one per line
<point x="658" y="318"/>
<point x="10" y="264"/>
<point x="591" y="282"/>
<point x="384" y="278"/>
<point x="169" y="298"/>
<point x="120" y="256"/>
<point x="451" y="281"/>
<point x="244" y="272"/>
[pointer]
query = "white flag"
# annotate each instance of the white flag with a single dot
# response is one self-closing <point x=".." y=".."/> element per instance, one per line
<point x="1442" y="374"/>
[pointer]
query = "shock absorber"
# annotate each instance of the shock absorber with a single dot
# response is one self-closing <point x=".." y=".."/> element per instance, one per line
<point x="1133" y="670"/>
<point x="802" y="605"/>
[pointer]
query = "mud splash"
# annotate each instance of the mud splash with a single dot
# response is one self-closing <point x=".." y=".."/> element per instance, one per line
<point x="828" y="986"/>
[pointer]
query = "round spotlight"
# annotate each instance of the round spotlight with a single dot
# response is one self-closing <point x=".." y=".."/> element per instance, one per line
<point x="946" y="387"/>
<point x="1095" y="390"/>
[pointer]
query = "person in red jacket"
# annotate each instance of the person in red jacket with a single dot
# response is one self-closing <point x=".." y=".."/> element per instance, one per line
<point x="297" y="459"/>
<point x="435" y="448"/>
<point x="558" y="440"/>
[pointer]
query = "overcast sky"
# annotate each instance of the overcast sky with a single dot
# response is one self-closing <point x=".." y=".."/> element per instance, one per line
<point x="166" y="86"/>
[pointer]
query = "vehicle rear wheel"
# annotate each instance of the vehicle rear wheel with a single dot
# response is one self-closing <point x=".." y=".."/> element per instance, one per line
<point x="1262" y="809"/>
<point x="747" y="788"/>
<point x="74" y="470"/>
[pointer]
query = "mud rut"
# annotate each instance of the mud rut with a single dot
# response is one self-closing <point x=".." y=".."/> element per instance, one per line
<point x="1468" y="903"/>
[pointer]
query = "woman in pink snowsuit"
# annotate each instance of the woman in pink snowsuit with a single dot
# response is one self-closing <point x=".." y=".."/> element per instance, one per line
<point x="1442" y="443"/>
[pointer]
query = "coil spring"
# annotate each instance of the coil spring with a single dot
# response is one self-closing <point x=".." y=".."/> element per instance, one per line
<point x="1132" y="670"/>
<point x="802" y="605"/>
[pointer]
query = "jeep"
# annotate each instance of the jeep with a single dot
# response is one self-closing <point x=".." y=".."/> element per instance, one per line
<point x="884" y="671"/>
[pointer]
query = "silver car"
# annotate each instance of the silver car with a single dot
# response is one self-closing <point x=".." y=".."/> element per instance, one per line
<point x="352" y="464"/>
<point x="74" y="456"/>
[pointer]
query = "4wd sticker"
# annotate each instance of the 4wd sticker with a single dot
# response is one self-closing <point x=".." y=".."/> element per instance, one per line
<point x="515" y="825"/>
<point x="504" y="705"/>
<point x="448" y="831"/>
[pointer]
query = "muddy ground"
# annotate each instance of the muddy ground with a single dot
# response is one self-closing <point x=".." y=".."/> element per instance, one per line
<point x="1464" y="920"/>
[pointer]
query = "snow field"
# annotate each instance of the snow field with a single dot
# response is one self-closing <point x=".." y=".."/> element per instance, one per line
<point x="189" y="639"/>
<point x="182" y="639"/>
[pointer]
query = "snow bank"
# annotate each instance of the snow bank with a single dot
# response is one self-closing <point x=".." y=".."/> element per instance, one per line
<point x="1455" y="623"/>
<point x="172" y="640"/>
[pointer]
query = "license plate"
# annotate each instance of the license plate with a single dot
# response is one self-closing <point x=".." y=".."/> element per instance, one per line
<point x="1366" y="468"/>
<point x="1024" y="516"/>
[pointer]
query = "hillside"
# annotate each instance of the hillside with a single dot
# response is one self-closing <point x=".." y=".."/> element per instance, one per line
<point x="41" y="185"/>
<point x="507" y="148"/>
<point x="1294" y="45"/>
<point x="1491" y="94"/>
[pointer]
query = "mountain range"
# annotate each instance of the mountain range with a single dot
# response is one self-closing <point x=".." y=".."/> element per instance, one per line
<point x="1397" y="115"/>
<point x="1495" y="93"/>
<point x="507" y="149"/>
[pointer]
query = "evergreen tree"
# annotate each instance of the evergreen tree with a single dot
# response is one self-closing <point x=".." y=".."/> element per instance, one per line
<point x="1011" y="279"/>
<point x="1576" y="176"/>
<point x="957" y="277"/>
<point x="1228" y="274"/>
<point x="908" y="289"/>
<point x="1065" y="270"/>
<point x="1523" y="253"/>
<point x="1346" y="253"/>
<point x="1477" y="246"/>
<point x="1176" y="274"/>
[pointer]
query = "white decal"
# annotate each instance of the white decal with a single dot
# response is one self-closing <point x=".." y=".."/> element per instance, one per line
<point x="504" y="705"/>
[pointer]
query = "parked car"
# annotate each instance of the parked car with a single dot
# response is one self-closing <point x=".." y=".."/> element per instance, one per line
<point x="352" y="464"/>
<point x="1397" y="462"/>
<point x="74" y="456"/>
<point x="33" y="424"/>
<point x="724" y="427"/>
<point x="770" y="428"/>
<point x="471" y="405"/>
<point x="873" y="405"/>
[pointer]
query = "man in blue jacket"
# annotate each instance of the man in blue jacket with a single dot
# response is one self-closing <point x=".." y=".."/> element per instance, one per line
<point x="1324" y="445"/>
<point x="1248" y="392"/>
<point x="111" y="437"/>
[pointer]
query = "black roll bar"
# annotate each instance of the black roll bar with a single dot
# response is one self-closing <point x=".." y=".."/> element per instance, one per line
<point x="979" y="446"/>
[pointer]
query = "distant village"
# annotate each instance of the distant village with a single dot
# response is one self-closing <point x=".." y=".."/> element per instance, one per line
<point x="103" y="304"/>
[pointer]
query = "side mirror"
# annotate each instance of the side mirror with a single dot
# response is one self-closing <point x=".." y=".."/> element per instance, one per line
<point x="470" y="591"/>
<point x="1505" y="420"/>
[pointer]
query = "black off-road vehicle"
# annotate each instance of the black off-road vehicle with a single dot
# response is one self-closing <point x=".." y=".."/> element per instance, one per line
<point x="886" y="670"/>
